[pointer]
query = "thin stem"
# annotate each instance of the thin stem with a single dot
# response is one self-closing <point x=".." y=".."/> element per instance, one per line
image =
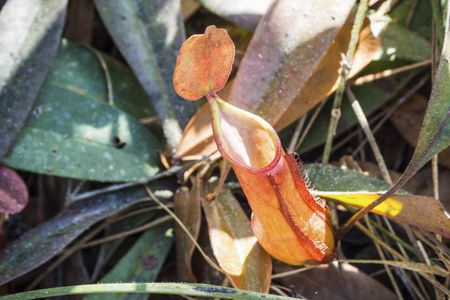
<point x="383" y="257"/>
<point x="346" y="65"/>
<point x="310" y="124"/>
<point x="127" y="232"/>
<point x="390" y="72"/>
<point x="296" y="135"/>
<point x="357" y="109"/>
<point x="165" y="288"/>
<point x="393" y="108"/>
<point x="185" y="229"/>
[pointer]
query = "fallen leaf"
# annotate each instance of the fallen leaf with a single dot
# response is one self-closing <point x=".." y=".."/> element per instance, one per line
<point x="13" y="192"/>
<point x="335" y="281"/>
<point x="235" y="246"/>
<point x="188" y="210"/>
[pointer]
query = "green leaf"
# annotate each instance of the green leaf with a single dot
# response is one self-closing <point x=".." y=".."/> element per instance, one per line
<point x="43" y="242"/>
<point x="435" y="133"/>
<point x="357" y="190"/>
<point x="71" y="133"/>
<point x="142" y="262"/>
<point x="149" y="34"/>
<point x="108" y="249"/>
<point x="400" y="43"/>
<point x="30" y="32"/>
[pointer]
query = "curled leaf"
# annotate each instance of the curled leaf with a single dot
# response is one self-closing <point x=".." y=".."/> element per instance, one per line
<point x="203" y="64"/>
<point x="288" y="221"/>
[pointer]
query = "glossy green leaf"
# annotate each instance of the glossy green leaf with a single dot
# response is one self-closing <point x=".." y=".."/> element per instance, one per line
<point x="30" y="33"/>
<point x="235" y="247"/>
<point x="149" y="34"/>
<point x="43" y="242"/>
<point x="354" y="189"/>
<point x="72" y="133"/>
<point x="142" y="262"/>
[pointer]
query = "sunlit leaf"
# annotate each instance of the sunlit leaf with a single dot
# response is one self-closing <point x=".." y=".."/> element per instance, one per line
<point x="245" y="13"/>
<point x="73" y="133"/>
<point x="287" y="47"/>
<point x="234" y="245"/>
<point x="354" y="189"/>
<point x="30" y="33"/>
<point x="149" y="34"/>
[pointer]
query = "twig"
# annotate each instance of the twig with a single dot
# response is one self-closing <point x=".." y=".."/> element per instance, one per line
<point x="296" y="135"/>
<point x="310" y="123"/>
<point x="392" y="109"/>
<point x="386" y="73"/>
<point x="383" y="257"/>
<point x="127" y="232"/>
<point x="357" y="109"/>
<point x="188" y="233"/>
<point x="345" y="68"/>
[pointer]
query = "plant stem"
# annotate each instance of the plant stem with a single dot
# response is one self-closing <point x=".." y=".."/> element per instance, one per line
<point x="346" y="65"/>
<point x="166" y="288"/>
<point x="357" y="109"/>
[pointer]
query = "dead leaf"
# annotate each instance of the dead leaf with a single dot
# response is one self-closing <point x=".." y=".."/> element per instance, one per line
<point x="234" y="245"/>
<point x="335" y="281"/>
<point x="187" y="209"/>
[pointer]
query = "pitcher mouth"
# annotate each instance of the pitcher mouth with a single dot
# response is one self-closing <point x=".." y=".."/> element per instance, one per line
<point x="244" y="139"/>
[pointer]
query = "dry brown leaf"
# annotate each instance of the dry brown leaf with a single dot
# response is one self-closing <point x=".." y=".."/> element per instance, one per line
<point x="187" y="208"/>
<point x="335" y="282"/>
<point x="235" y="247"/>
